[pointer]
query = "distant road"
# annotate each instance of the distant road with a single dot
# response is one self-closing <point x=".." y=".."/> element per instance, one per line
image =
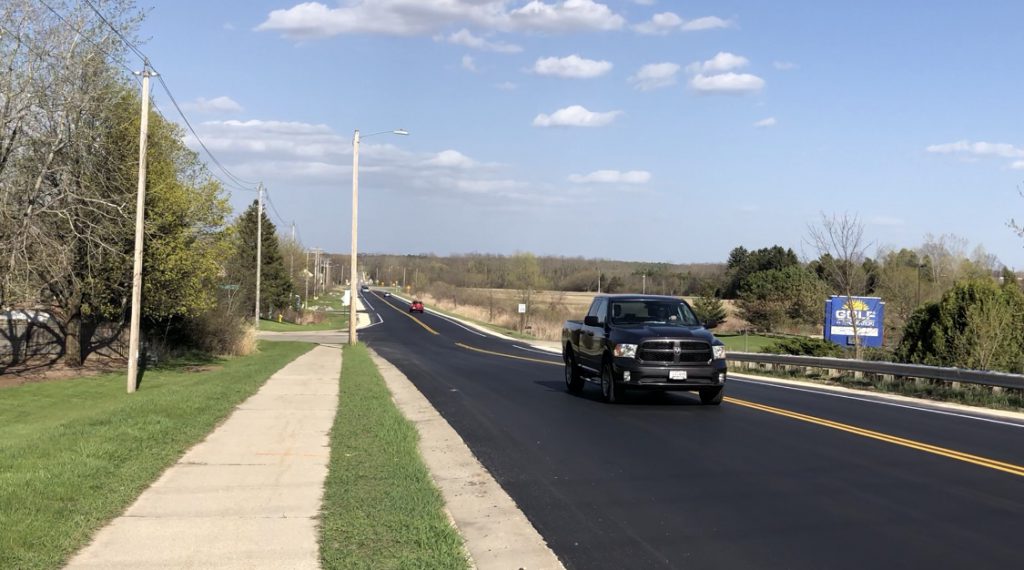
<point x="774" y="478"/>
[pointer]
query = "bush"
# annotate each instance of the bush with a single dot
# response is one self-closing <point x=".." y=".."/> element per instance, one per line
<point x="975" y="325"/>
<point x="803" y="346"/>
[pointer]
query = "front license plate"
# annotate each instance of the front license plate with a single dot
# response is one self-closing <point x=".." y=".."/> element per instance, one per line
<point x="677" y="375"/>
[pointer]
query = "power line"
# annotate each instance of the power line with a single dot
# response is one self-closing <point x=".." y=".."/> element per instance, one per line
<point x="163" y="83"/>
<point x="89" y="39"/>
<point x="273" y="208"/>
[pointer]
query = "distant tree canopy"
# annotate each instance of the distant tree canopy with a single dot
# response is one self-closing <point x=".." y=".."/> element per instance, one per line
<point x="776" y="297"/>
<point x="742" y="264"/>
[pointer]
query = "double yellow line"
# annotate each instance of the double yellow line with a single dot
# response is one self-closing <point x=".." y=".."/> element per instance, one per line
<point x="927" y="448"/>
<point x="419" y="322"/>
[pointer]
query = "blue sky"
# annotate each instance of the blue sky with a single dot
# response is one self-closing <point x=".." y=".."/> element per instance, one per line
<point x="631" y="129"/>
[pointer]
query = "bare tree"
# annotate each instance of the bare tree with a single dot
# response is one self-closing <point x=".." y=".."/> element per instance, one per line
<point x="839" y="242"/>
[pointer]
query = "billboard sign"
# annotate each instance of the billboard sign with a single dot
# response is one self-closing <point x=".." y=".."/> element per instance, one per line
<point x="866" y="313"/>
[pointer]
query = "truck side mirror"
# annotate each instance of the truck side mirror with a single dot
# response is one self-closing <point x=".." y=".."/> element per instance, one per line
<point x="591" y="321"/>
<point x="709" y="324"/>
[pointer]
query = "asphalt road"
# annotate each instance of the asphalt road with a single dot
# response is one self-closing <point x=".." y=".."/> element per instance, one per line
<point x="774" y="478"/>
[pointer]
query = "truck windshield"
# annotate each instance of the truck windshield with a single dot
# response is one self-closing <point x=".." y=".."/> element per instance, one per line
<point x="661" y="312"/>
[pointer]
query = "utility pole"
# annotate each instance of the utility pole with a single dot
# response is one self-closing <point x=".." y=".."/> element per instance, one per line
<point x="645" y="284"/>
<point x="292" y="252"/>
<point x="403" y="279"/>
<point x="140" y="220"/>
<point x="327" y="280"/>
<point x="352" y="312"/>
<point x="259" y="252"/>
<point x="599" y="281"/>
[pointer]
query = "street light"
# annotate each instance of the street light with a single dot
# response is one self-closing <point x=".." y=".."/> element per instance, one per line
<point x="353" y="276"/>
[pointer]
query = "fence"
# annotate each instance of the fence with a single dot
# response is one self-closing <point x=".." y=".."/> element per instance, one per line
<point x="885" y="369"/>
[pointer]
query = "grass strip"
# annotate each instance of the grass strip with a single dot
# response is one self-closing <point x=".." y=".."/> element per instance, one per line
<point x="74" y="454"/>
<point x="381" y="509"/>
<point x="744" y="343"/>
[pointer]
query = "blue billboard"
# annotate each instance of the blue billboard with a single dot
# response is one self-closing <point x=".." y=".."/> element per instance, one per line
<point x="842" y="313"/>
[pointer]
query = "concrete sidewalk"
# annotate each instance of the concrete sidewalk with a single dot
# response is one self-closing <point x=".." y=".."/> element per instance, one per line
<point x="248" y="495"/>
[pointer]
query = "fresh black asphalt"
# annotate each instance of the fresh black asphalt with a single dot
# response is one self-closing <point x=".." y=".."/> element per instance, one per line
<point x="660" y="481"/>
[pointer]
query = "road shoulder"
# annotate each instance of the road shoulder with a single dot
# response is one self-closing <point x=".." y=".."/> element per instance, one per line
<point x="496" y="532"/>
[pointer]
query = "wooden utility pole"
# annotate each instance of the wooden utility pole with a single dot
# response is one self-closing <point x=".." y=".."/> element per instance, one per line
<point x="140" y="220"/>
<point x="259" y="252"/>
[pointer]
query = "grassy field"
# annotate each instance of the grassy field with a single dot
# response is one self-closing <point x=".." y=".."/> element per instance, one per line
<point x="381" y="509"/>
<point x="76" y="453"/>
<point x="744" y="343"/>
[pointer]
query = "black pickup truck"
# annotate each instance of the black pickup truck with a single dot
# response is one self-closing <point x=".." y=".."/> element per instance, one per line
<point x="643" y="342"/>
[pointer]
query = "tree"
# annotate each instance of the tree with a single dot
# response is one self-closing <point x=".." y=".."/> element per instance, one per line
<point x="976" y="324"/>
<point x="524" y="276"/>
<point x="275" y="284"/>
<point x="777" y="296"/>
<point x="1009" y="278"/>
<point x="839" y="242"/>
<point x="710" y="310"/>
<point x="743" y="264"/>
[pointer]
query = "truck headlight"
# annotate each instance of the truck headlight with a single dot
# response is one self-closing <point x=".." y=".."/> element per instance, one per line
<point x="625" y="350"/>
<point x="718" y="352"/>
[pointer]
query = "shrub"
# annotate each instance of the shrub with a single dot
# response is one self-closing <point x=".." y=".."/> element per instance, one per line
<point x="803" y="346"/>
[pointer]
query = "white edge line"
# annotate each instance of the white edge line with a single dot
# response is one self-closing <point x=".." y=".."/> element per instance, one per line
<point x="873" y="401"/>
<point x="544" y="352"/>
<point x="447" y="318"/>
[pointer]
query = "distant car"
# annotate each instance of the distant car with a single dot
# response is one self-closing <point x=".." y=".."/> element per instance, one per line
<point x="387" y="293"/>
<point x="416" y="307"/>
<point x="365" y="289"/>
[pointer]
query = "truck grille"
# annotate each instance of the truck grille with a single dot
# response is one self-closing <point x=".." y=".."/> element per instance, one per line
<point x="675" y="351"/>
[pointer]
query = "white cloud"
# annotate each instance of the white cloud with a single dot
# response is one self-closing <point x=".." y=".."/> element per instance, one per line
<point x="784" y="65"/>
<point x="506" y="86"/>
<point x="468" y="63"/>
<point x="655" y="75"/>
<point x="660" y="24"/>
<point x="464" y="37"/>
<point x="706" y="23"/>
<point x="665" y="22"/>
<point x="644" y="2"/>
<point x="229" y="26"/>
<point x="1018" y="165"/>
<point x="222" y="104"/>
<point x="1002" y="150"/>
<point x="450" y="159"/>
<point x="727" y="83"/>
<point x="565" y="16"/>
<point x="312" y="20"/>
<point x="575" y="116"/>
<point x="612" y="177"/>
<point x="765" y="123"/>
<point x="723" y="61"/>
<point x="572" y="66"/>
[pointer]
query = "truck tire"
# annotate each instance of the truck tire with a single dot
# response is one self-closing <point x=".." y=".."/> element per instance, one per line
<point x="712" y="396"/>
<point x="608" y="388"/>
<point x="573" y="379"/>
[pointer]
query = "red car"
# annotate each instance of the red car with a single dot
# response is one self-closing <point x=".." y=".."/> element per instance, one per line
<point x="416" y="306"/>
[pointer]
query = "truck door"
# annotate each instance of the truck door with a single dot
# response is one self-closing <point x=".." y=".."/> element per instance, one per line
<point x="592" y="338"/>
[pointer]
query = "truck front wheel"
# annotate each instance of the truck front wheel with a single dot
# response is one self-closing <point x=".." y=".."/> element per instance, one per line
<point x="608" y="388"/>
<point x="573" y="380"/>
<point x="712" y="396"/>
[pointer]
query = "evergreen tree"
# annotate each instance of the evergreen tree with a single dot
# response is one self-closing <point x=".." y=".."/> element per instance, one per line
<point x="275" y="285"/>
<point x="709" y="309"/>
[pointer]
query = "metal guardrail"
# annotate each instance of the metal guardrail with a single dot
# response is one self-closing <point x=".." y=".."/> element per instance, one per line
<point x="984" y="378"/>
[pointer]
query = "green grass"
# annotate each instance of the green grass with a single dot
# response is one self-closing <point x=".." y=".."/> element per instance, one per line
<point x="745" y="343"/>
<point x="74" y="454"/>
<point x="381" y="509"/>
<point x="334" y="321"/>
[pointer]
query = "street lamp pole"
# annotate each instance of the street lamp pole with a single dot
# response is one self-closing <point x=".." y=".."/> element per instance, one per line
<point x="354" y="274"/>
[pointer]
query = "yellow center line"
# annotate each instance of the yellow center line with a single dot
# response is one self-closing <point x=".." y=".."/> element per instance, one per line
<point x="419" y="322"/>
<point x="927" y="448"/>
<point x="920" y="446"/>
<point x="526" y="358"/>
